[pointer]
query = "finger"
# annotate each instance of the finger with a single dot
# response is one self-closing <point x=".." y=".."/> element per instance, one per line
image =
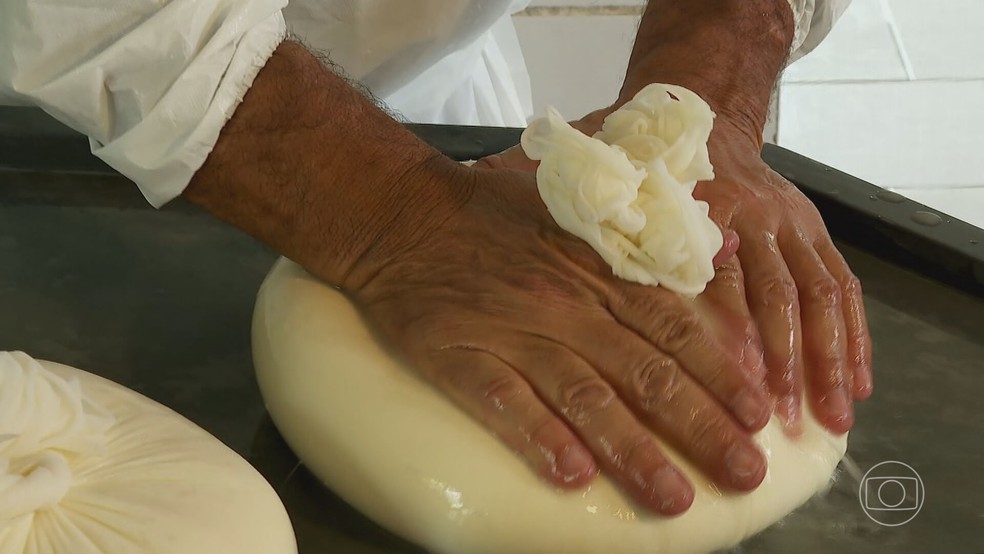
<point x="823" y="332"/>
<point x="724" y="302"/>
<point x="772" y="301"/>
<point x="498" y="397"/>
<point x="729" y="247"/>
<point x="858" y="336"/>
<point x="673" y="326"/>
<point x="624" y="448"/>
<point x="676" y="407"/>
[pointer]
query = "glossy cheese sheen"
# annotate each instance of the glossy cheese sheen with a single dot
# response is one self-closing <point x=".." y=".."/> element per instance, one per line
<point x="407" y="457"/>
<point x="88" y="466"/>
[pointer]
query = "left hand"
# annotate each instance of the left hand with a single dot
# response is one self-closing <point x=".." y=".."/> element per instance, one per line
<point x="802" y="311"/>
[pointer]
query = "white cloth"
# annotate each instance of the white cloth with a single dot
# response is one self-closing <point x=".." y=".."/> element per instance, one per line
<point x="814" y="20"/>
<point x="434" y="61"/>
<point x="152" y="82"/>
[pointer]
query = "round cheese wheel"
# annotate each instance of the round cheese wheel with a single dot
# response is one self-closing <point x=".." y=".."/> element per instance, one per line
<point x="88" y="466"/>
<point x="403" y="454"/>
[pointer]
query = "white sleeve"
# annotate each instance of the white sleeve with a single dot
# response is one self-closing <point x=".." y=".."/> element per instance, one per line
<point x="151" y="82"/>
<point x="814" y="20"/>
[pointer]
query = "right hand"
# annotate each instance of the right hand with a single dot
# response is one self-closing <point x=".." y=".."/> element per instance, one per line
<point x="526" y="328"/>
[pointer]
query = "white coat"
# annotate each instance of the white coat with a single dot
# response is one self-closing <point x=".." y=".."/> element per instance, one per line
<point x="152" y="82"/>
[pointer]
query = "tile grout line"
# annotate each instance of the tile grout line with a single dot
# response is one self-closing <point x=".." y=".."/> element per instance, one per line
<point x="553" y="11"/>
<point x="897" y="37"/>
<point x="955" y="80"/>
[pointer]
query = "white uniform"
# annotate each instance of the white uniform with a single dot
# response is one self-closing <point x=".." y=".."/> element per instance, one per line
<point x="152" y="82"/>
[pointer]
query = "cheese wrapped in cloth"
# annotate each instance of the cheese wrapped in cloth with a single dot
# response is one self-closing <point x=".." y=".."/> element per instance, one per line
<point x="90" y="467"/>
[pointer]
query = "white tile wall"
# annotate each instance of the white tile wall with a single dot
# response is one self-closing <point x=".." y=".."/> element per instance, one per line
<point x="585" y="3"/>
<point x="861" y="47"/>
<point x="942" y="37"/>
<point x="576" y="63"/>
<point x="919" y="134"/>
<point x="896" y="96"/>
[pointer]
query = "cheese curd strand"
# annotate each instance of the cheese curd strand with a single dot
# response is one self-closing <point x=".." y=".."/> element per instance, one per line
<point x="627" y="191"/>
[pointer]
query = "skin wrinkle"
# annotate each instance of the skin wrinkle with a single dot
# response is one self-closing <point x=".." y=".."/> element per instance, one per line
<point x="328" y="166"/>
<point x="701" y="343"/>
<point x="297" y="205"/>
<point x="647" y="407"/>
<point x="617" y="454"/>
<point x="663" y="419"/>
<point x="538" y="452"/>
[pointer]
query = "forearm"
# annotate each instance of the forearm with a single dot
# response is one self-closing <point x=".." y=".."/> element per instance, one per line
<point x="728" y="51"/>
<point x="314" y="169"/>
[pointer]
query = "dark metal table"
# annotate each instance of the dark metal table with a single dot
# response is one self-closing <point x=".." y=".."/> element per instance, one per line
<point x="161" y="301"/>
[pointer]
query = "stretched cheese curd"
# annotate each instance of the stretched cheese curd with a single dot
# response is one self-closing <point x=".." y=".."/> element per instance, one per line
<point x="628" y="190"/>
<point x="88" y="466"/>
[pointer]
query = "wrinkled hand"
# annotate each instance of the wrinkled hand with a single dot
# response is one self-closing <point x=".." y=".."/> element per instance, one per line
<point x="788" y="299"/>
<point x="790" y="284"/>
<point x="528" y="330"/>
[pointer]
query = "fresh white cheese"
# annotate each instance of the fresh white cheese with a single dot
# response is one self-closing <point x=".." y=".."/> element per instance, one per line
<point x="88" y="466"/>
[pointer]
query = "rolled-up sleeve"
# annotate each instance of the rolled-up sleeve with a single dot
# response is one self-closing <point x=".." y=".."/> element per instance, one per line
<point x="151" y="82"/>
<point x="814" y="20"/>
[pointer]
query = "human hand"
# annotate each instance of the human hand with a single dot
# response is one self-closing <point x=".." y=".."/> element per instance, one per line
<point x="801" y="323"/>
<point x="466" y="274"/>
<point x="789" y="283"/>
<point x="516" y="159"/>
<point x="527" y="329"/>
<point x="802" y="306"/>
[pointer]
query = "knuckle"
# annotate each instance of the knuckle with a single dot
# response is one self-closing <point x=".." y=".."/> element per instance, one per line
<point x="549" y="288"/>
<point x="721" y="213"/>
<point x="582" y="398"/>
<point x="852" y="286"/>
<point x="655" y="383"/>
<point x="503" y="391"/>
<point x="678" y="332"/>
<point x="824" y="292"/>
<point x="545" y="430"/>
<point x="779" y="289"/>
<point x="635" y="447"/>
<point x="729" y="273"/>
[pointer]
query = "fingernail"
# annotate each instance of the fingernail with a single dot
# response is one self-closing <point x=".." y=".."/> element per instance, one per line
<point x="745" y="464"/>
<point x="672" y="493"/>
<point x="575" y="463"/>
